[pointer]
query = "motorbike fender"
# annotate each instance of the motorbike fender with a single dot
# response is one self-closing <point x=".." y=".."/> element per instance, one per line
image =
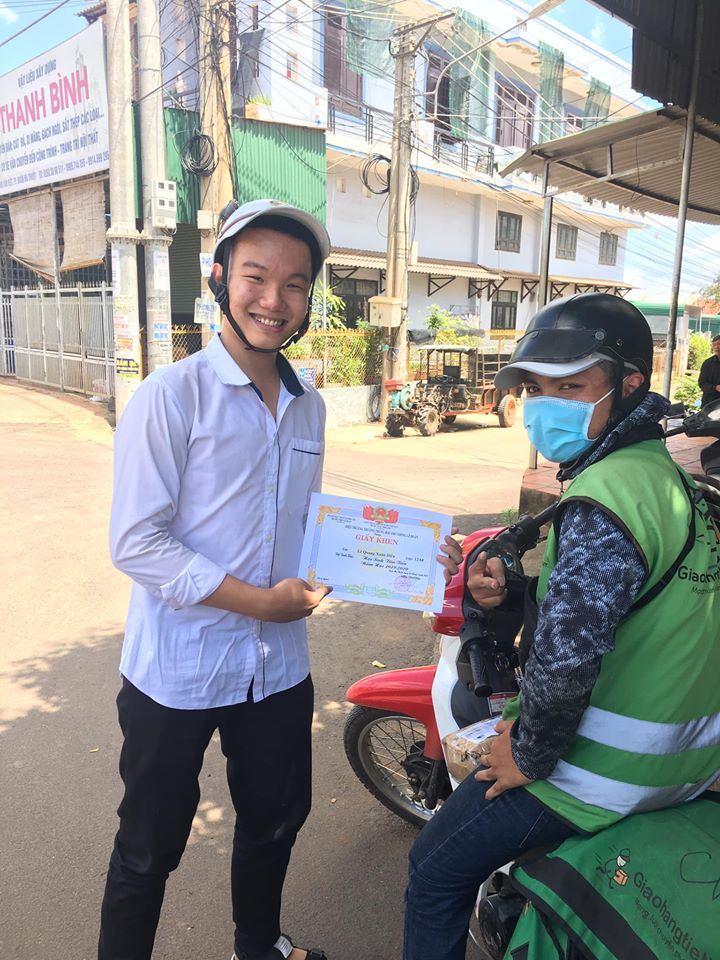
<point x="408" y="691"/>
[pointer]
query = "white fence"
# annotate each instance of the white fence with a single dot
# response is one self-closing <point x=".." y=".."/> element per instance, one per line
<point x="60" y="338"/>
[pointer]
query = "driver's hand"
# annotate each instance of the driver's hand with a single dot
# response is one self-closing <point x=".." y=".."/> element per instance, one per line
<point x="486" y="581"/>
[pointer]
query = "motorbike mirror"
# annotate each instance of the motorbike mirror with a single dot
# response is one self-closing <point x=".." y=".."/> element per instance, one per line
<point x="704" y="423"/>
<point x="712" y="410"/>
<point x="676" y="411"/>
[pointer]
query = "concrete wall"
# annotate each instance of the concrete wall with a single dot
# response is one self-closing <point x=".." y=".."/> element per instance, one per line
<point x="348" y="405"/>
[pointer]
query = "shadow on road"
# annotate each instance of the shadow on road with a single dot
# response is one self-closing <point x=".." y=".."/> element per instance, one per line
<point x="60" y="790"/>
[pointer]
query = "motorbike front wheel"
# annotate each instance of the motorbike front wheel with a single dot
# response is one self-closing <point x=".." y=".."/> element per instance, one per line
<point x="385" y="750"/>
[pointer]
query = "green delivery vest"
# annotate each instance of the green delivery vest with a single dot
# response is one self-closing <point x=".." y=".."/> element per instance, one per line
<point x="650" y="737"/>
<point x="626" y="893"/>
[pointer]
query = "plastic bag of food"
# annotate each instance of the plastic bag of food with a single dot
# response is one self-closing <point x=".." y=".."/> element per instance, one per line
<point x="464" y="749"/>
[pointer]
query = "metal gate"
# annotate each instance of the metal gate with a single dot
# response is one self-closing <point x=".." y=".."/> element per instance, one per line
<point x="7" y="343"/>
<point x="63" y="338"/>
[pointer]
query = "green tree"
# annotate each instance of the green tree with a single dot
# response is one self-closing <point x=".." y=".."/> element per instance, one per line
<point x="698" y="350"/>
<point x="712" y="290"/>
<point x="439" y="319"/>
<point x="688" y="392"/>
<point x="335" y="309"/>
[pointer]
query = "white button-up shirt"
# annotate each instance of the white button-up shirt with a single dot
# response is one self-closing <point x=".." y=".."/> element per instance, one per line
<point x="207" y="483"/>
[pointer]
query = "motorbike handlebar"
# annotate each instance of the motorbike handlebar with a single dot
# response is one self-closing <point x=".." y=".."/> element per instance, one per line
<point x="513" y="542"/>
<point x="481" y="685"/>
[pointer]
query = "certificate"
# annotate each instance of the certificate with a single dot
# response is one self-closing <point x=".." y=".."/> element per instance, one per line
<point x="374" y="552"/>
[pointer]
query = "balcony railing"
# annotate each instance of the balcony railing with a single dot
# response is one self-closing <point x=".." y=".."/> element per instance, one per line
<point x="374" y="125"/>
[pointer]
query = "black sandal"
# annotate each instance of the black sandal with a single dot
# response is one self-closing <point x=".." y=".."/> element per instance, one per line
<point x="282" y="950"/>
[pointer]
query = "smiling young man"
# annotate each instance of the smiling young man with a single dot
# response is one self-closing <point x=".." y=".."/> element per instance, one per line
<point x="619" y="706"/>
<point x="215" y="461"/>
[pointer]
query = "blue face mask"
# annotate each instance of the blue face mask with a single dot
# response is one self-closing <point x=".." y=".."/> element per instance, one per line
<point x="558" y="427"/>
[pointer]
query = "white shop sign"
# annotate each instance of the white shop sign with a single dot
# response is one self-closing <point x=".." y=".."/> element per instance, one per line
<point x="54" y="115"/>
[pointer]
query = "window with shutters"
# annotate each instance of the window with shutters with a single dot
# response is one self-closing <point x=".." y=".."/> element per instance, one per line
<point x="356" y="294"/>
<point x="608" y="249"/>
<point x="566" y="243"/>
<point x="573" y="123"/>
<point x="514" y="115"/>
<point x="504" y="310"/>
<point x="291" y="68"/>
<point x="508" y="229"/>
<point x="440" y="108"/>
<point x="343" y="84"/>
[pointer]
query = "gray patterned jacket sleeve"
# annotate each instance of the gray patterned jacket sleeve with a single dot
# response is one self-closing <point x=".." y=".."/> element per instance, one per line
<point x="595" y="581"/>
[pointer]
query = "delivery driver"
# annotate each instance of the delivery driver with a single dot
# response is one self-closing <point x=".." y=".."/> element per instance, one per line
<point x="619" y="711"/>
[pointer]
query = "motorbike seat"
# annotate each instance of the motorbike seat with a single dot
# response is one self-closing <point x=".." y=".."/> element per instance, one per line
<point x="710" y="460"/>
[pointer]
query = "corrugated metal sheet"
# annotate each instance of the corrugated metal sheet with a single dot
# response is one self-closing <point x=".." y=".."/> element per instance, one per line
<point x="342" y="257"/>
<point x="559" y="278"/>
<point x="283" y="162"/>
<point x="272" y="160"/>
<point x="372" y="260"/>
<point x="663" y="50"/>
<point x="180" y="125"/>
<point x="185" y="280"/>
<point x="646" y="157"/>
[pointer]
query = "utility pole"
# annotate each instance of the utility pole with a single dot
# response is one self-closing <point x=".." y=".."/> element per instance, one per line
<point x="154" y="170"/>
<point x="391" y="310"/>
<point x="399" y="206"/>
<point x="216" y="189"/>
<point x="684" y="196"/>
<point x="123" y="235"/>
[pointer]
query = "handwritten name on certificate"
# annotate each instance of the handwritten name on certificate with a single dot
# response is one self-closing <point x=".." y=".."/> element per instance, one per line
<point x="375" y="552"/>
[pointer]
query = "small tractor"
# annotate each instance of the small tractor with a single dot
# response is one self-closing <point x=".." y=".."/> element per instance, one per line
<point x="457" y="380"/>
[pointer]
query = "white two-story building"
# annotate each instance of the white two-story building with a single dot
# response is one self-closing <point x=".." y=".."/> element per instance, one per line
<point x="476" y="235"/>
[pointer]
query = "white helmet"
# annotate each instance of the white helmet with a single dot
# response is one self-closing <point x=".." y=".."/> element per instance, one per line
<point x="242" y="216"/>
<point x="236" y="219"/>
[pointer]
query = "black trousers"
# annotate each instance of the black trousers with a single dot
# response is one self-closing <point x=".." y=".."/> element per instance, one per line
<point x="267" y="746"/>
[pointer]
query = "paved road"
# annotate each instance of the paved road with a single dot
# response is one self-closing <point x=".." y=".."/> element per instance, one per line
<point x="63" y="607"/>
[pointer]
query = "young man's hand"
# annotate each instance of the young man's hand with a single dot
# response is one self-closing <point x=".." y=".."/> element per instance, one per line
<point x="453" y="556"/>
<point x="486" y="581"/>
<point x="292" y="600"/>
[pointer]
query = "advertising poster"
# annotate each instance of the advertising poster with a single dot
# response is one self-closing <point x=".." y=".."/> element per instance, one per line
<point x="54" y="115"/>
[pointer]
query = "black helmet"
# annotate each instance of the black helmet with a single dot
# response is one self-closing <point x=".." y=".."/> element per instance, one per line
<point x="575" y="333"/>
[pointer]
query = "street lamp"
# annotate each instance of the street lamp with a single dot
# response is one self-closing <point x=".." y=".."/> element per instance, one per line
<point x="539" y="10"/>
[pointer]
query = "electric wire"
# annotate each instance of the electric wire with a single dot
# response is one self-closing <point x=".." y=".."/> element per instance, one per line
<point x="34" y="23"/>
<point x="316" y="48"/>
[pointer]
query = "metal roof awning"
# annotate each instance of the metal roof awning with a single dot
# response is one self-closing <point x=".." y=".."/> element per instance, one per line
<point x="481" y="280"/>
<point x="439" y="273"/>
<point x="558" y="285"/>
<point x="635" y="163"/>
<point x="664" y="50"/>
<point x="344" y="257"/>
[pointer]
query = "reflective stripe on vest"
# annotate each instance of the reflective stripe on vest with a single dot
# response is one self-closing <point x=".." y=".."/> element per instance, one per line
<point x="647" y="736"/>
<point x="620" y="797"/>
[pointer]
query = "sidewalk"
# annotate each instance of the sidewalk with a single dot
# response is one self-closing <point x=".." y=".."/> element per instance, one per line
<point x="540" y="487"/>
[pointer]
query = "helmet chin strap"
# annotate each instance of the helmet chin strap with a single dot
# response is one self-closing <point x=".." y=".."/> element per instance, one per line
<point x="222" y="299"/>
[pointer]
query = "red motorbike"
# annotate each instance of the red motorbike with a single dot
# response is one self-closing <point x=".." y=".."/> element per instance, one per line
<point x="393" y="737"/>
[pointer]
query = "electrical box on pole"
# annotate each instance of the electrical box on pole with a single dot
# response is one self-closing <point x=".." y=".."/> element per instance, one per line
<point x="385" y="311"/>
<point x="163" y="204"/>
